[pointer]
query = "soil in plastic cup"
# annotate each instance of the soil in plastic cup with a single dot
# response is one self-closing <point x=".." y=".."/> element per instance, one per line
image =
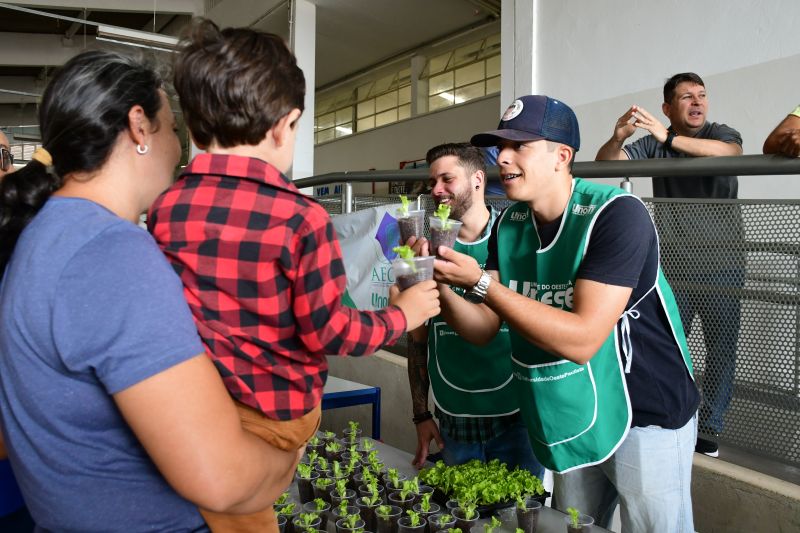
<point x="434" y="508"/>
<point x="585" y="523"/>
<point x="411" y="225"/>
<point x="305" y="486"/>
<point x="342" y="527"/>
<point x="367" y="511"/>
<point x="300" y="524"/>
<point x="528" y="518"/>
<point x="443" y="233"/>
<point x="409" y="272"/>
<point x="388" y="523"/>
<point x="404" y="525"/>
<point x="323" y="491"/>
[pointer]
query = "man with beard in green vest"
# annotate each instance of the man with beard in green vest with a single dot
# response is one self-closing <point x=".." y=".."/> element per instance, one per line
<point x="477" y="412"/>
<point x="602" y="371"/>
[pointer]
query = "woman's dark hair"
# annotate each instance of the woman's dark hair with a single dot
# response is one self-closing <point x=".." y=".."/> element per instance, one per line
<point x="235" y="84"/>
<point x="84" y="109"/>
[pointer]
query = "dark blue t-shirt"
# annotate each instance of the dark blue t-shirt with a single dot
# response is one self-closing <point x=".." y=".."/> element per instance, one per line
<point x="623" y="251"/>
<point x="88" y="307"/>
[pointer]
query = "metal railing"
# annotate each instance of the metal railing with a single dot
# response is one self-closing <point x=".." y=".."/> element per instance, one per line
<point x="735" y="266"/>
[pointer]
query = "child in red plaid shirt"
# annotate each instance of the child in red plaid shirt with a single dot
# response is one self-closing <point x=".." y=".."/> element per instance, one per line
<point x="261" y="267"/>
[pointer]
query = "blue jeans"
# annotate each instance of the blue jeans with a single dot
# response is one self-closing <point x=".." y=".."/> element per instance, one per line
<point x="720" y="314"/>
<point x="650" y="475"/>
<point x="511" y="447"/>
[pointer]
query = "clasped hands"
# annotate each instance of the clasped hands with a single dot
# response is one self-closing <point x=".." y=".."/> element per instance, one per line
<point x="639" y="117"/>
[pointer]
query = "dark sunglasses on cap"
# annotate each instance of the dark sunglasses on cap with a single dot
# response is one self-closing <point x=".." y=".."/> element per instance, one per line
<point x="6" y="159"/>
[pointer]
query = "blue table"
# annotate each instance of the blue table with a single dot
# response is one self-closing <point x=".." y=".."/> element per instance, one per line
<point x="340" y="392"/>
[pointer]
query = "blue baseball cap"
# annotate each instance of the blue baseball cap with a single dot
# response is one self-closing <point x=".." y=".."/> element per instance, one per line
<point x="533" y="118"/>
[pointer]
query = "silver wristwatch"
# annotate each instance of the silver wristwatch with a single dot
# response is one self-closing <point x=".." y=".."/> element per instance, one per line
<point x="477" y="294"/>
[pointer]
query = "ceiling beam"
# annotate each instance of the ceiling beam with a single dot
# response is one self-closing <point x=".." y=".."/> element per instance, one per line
<point x="75" y="26"/>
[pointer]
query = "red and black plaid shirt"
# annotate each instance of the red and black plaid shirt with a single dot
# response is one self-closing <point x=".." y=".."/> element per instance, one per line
<point x="263" y="274"/>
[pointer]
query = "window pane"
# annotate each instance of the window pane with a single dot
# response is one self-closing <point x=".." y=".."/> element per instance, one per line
<point x="467" y="54"/>
<point x="493" y="66"/>
<point x="439" y="101"/>
<point x="364" y="90"/>
<point x="469" y="74"/>
<point x="323" y="105"/>
<point x="325" y="135"/>
<point x="383" y="84"/>
<point x="325" y="121"/>
<point x="442" y="82"/>
<point x="344" y="115"/>
<point x="387" y="117"/>
<point x="366" y="124"/>
<point x="491" y="46"/>
<point x="366" y="108"/>
<point x="469" y="92"/>
<point x="403" y="112"/>
<point x="344" y="129"/>
<point x="404" y="76"/>
<point x="405" y="94"/>
<point x="439" y="63"/>
<point x="386" y="101"/>
<point x="493" y="85"/>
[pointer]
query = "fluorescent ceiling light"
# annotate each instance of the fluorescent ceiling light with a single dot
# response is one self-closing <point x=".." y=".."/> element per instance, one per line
<point x="342" y="129"/>
<point x="136" y="37"/>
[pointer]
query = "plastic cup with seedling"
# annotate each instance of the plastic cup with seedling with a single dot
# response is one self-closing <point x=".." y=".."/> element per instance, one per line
<point x="424" y="506"/>
<point x="322" y="488"/>
<point x="466" y="514"/>
<point x="305" y="477"/>
<point x="528" y="513"/>
<point x="410" y="222"/>
<point x="577" y="522"/>
<point x="444" y="231"/>
<point x="412" y="523"/>
<point x="409" y="268"/>
<point x="386" y="517"/>
<point x="319" y="507"/>
<point x="306" y="521"/>
<point x="492" y="525"/>
<point x="352" y="432"/>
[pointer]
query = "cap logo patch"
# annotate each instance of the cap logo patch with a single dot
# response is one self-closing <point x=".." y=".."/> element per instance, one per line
<point x="513" y="111"/>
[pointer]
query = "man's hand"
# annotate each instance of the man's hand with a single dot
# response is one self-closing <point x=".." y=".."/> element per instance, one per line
<point x="624" y="127"/>
<point x="426" y="432"/>
<point x="646" y="121"/>
<point x="420" y="246"/>
<point x="418" y="303"/>
<point x="456" y="269"/>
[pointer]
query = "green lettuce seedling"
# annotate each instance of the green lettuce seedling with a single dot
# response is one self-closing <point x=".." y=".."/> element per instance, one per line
<point x="406" y="254"/>
<point x="573" y="516"/>
<point x="343" y="508"/>
<point x="425" y="503"/>
<point x="443" y="213"/>
<point x="333" y="446"/>
<point x="407" y="490"/>
<point x="320" y="504"/>
<point x="341" y="487"/>
<point x="351" y="520"/>
<point x="283" y="498"/>
<point x="287" y="509"/>
<point x="469" y="509"/>
<point x="322" y="463"/>
<point x="353" y="426"/>
<point x="444" y="519"/>
<point x="323" y="482"/>
<point x="490" y="527"/>
<point x="307" y="519"/>
<point x="383" y="510"/>
<point x="403" y="211"/>
<point x="394" y="477"/>
<point x="304" y="470"/>
<point x="372" y="499"/>
<point x="414" y="517"/>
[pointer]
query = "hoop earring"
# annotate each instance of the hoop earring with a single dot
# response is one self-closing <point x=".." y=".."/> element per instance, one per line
<point x="477" y="187"/>
<point x="142" y="149"/>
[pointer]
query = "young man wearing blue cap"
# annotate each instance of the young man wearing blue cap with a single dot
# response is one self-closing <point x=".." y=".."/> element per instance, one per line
<point x="601" y="366"/>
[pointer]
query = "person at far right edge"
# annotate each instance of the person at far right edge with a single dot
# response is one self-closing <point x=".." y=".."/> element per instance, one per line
<point x="701" y="247"/>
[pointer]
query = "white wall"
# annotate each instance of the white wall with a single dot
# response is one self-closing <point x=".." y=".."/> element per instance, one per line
<point x="601" y="57"/>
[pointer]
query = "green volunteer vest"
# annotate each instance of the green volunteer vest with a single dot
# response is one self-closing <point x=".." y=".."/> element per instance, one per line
<point x="469" y="380"/>
<point x="577" y="415"/>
